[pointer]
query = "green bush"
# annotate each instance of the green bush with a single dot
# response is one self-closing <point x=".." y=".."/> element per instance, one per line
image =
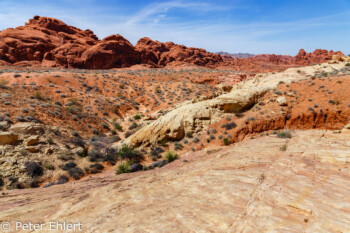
<point x="171" y="156"/>
<point x="137" y="117"/>
<point x="129" y="154"/>
<point x="123" y="168"/>
<point x="226" y="142"/>
<point x="118" y="126"/>
<point x="284" y="134"/>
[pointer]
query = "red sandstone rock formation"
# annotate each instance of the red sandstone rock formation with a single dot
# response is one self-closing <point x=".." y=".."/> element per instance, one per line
<point x="53" y="43"/>
<point x="50" y="42"/>
<point x="162" y="54"/>
<point x="318" y="56"/>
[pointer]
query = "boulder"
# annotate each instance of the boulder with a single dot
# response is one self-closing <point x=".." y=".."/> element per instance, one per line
<point x="32" y="140"/>
<point x="7" y="138"/>
<point x="32" y="149"/>
<point x="281" y="100"/>
<point x="160" y="163"/>
<point x="136" y="167"/>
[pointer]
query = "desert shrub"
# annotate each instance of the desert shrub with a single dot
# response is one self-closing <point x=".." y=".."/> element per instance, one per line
<point x="39" y="96"/>
<point x="251" y="119"/>
<point x="133" y="126"/>
<point x="34" y="169"/>
<point x="229" y="126"/>
<point x="129" y="154"/>
<point x="137" y="117"/>
<point x="95" y="131"/>
<point x="82" y="153"/>
<point x="189" y="134"/>
<point x="96" y="168"/>
<point x="118" y="126"/>
<point x="77" y="141"/>
<point x="123" y="168"/>
<point x="33" y="183"/>
<point x="128" y="134"/>
<point x="283" y="148"/>
<point x="196" y="140"/>
<point x="164" y="142"/>
<point x="49" y="166"/>
<point x="76" y="173"/>
<point x="3" y="83"/>
<point x="62" y="179"/>
<point x="337" y="102"/>
<point x="95" y="155"/>
<point x="178" y="146"/>
<point x="214" y="131"/>
<point x="110" y="158"/>
<point x="284" y="134"/>
<point x="226" y="142"/>
<point x="1" y="182"/>
<point x="171" y="156"/>
<point x="104" y="125"/>
<point x="75" y="133"/>
<point x="65" y="157"/>
<point x="155" y="152"/>
<point x="68" y="166"/>
<point x="73" y="109"/>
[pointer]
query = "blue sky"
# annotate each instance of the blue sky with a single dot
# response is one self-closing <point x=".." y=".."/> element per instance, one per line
<point x="253" y="26"/>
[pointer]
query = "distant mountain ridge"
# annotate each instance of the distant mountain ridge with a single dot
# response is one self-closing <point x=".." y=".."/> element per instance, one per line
<point x="238" y="55"/>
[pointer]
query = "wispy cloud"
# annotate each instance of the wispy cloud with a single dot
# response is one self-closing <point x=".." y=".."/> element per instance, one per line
<point x="160" y="9"/>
